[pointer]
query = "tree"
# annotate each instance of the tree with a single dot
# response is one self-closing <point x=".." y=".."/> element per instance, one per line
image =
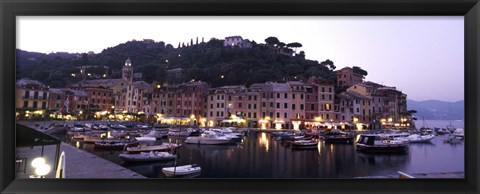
<point x="272" y="40"/>
<point x="329" y="64"/>
<point x="294" y="45"/>
<point x="281" y="44"/>
<point x="359" y="70"/>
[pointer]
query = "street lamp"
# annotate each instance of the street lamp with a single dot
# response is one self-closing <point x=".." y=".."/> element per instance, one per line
<point x="41" y="168"/>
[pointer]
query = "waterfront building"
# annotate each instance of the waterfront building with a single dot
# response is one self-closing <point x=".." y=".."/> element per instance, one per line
<point x="253" y="95"/>
<point x="326" y="98"/>
<point x="79" y="104"/>
<point x="31" y="99"/>
<point x="297" y="90"/>
<point x="127" y="94"/>
<point x="347" y="77"/>
<point x="220" y="107"/>
<point x="361" y="109"/>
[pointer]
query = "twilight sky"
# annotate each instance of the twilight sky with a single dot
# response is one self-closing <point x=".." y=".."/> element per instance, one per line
<point x="421" y="56"/>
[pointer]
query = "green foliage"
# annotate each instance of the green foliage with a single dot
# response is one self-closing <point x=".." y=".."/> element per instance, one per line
<point x="205" y="61"/>
<point x="359" y="70"/>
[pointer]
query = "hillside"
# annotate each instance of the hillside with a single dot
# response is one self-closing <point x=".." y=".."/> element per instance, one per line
<point x="437" y="110"/>
<point x="205" y="61"/>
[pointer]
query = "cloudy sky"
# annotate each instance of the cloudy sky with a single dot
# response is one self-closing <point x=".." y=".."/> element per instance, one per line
<point x="421" y="56"/>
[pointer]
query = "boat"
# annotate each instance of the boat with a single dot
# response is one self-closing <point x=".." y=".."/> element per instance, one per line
<point x="179" y="132"/>
<point x="425" y="129"/>
<point x="158" y="134"/>
<point x="115" y="144"/>
<point x="209" y="138"/>
<point x="373" y="143"/>
<point x="338" y="137"/>
<point x="77" y="129"/>
<point x="304" y="144"/>
<point x="103" y="127"/>
<point x="416" y="138"/>
<point x="459" y="133"/>
<point x="442" y="131"/>
<point x="452" y="139"/>
<point x="181" y="170"/>
<point x="148" y="156"/>
<point x="162" y="147"/>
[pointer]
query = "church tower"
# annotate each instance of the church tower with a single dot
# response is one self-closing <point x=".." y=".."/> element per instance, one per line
<point x="127" y="71"/>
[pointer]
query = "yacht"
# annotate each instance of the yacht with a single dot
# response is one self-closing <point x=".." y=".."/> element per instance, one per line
<point x="373" y="143"/>
<point x="208" y="137"/>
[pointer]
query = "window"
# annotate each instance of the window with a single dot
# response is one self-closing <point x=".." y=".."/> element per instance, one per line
<point x="278" y="95"/>
<point x="323" y="97"/>
<point x="58" y="97"/>
<point x="271" y="95"/>
<point x="211" y="106"/>
<point x="239" y="105"/>
<point x="330" y="89"/>
<point x="249" y="106"/>
<point x="255" y="98"/>
<point x="278" y="105"/>
<point x="263" y="104"/>
<point x="218" y="114"/>
<point x="312" y="106"/>
<point x="104" y="94"/>
<point x="34" y="104"/>
<point x="323" y="89"/>
<point x="284" y="115"/>
<point x="285" y="95"/>
<point x="255" y="115"/>
<point x="271" y="104"/>
<point x="35" y="95"/>
<point x="93" y="93"/>
<point x="249" y="115"/>
<point x="271" y="114"/>
<point x="358" y="110"/>
<point x="301" y="96"/>
<point x="93" y="100"/>
<point x="308" y="97"/>
<point x="249" y="97"/>
<point x="239" y="97"/>
<point x="223" y="97"/>
<point x="301" y="106"/>
<point x="293" y="96"/>
<point x="254" y="106"/>
<point x="222" y="105"/>
<point x="263" y="95"/>
<point x="278" y="115"/>
<point x="293" y="106"/>
<point x="229" y="98"/>
<point x="218" y="105"/>
<point x="285" y="105"/>
<point x="25" y="104"/>
<point x="327" y="107"/>
<point x="211" y="98"/>
<point x="330" y="97"/>
<point x="27" y="94"/>
<point x="218" y="97"/>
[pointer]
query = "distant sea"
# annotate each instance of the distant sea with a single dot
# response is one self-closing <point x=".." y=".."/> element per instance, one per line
<point x="439" y="123"/>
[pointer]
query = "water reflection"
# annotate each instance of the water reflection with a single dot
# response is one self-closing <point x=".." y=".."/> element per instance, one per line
<point x="258" y="156"/>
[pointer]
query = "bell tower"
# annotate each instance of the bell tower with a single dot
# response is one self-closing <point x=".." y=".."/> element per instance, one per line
<point x="127" y="71"/>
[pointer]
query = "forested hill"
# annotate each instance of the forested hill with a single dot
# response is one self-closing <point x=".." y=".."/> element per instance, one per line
<point x="205" y="61"/>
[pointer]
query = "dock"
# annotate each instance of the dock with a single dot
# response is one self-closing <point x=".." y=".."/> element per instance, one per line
<point x="78" y="164"/>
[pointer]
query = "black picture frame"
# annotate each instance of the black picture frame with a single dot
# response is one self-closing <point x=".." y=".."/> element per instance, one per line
<point x="9" y="9"/>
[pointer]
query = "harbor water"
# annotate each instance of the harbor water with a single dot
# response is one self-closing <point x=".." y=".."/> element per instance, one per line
<point x="259" y="155"/>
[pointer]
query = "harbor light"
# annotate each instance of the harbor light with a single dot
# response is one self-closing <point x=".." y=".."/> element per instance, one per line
<point x="38" y="162"/>
<point x="42" y="170"/>
<point x="159" y="86"/>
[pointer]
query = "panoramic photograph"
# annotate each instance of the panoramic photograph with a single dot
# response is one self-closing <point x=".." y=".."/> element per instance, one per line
<point x="284" y="97"/>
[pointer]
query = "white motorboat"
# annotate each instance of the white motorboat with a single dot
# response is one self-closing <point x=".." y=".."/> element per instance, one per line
<point x="162" y="147"/>
<point x="459" y="132"/>
<point x="181" y="170"/>
<point x="148" y="156"/>
<point x="416" y="138"/>
<point x="179" y="132"/>
<point x="145" y="139"/>
<point x="158" y="134"/>
<point x="208" y="137"/>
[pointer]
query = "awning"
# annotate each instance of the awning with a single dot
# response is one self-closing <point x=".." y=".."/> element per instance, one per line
<point x="27" y="137"/>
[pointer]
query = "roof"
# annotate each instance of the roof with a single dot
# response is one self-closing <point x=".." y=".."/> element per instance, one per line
<point x="27" y="137"/>
<point x="27" y="81"/>
<point x="142" y="85"/>
<point x="55" y="91"/>
<point x="357" y="95"/>
<point x="100" y="82"/>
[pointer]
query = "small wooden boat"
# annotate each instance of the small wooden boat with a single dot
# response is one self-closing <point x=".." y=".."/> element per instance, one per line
<point x="148" y="157"/>
<point x="181" y="170"/>
<point x="304" y="144"/>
